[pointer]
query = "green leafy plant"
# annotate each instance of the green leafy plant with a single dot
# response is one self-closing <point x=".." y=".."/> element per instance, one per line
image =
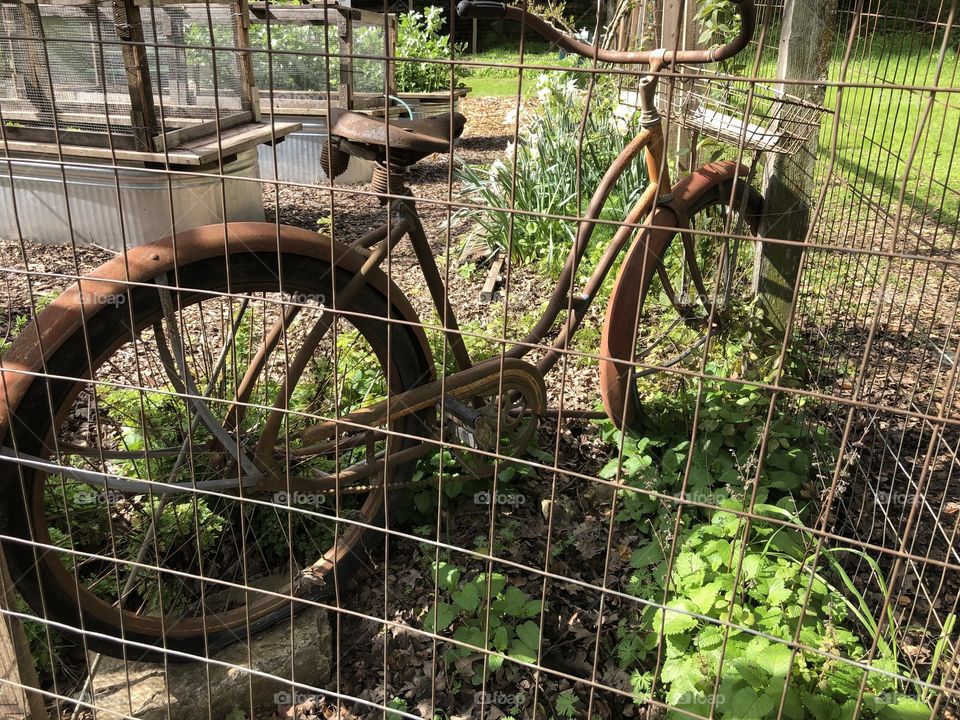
<point x="717" y="19"/>
<point x="733" y="610"/>
<point x="513" y="630"/>
<point x="566" y="704"/>
<point x="397" y="703"/>
<point x="419" y="36"/>
<point x="724" y="616"/>
<point x="546" y="173"/>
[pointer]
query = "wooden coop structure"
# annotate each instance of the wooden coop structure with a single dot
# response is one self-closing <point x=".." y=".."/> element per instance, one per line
<point x="322" y="55"/>
<point x="133" y="80"/>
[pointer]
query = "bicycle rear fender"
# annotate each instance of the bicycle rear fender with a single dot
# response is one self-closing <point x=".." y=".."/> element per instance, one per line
<point x="65" y="315"/>
<point x="619" y="327"/>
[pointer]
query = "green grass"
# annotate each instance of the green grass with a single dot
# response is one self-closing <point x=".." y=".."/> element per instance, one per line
<point x="498" y="86"/>
<point x="534" y="54"/>
<point x="877" y="125"/>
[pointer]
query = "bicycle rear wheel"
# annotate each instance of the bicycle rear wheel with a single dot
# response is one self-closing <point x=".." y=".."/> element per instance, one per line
<point x="189" y="560"/>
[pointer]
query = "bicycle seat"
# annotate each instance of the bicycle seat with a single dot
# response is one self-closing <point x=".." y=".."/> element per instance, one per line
<point x="409" y="140"/>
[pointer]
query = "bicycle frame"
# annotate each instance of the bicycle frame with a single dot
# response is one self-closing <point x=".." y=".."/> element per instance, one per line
<point x="649" y="141"/>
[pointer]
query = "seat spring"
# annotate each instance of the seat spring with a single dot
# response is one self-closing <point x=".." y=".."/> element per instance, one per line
<point x="389" y="180"/>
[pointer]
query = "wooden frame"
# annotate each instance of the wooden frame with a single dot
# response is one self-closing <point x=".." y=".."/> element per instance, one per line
<point x="316" y="102"/>
<point x="45" y="112"/>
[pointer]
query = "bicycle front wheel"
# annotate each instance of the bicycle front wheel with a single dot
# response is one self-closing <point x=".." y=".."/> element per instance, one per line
<point x="142" y="512"/>
<point x="682" y="289"/>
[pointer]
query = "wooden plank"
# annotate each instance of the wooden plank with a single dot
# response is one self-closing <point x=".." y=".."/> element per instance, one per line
<point x="180" y="136"/>
<point x="80" y="102"/>
<point x="16" y="664"/>
<point x="489" y="291"/>
<point x="143" y="114"/>
<point x="191" y="155"/>
<point x="439" y="95"/>
<point x="239" y="139"/>
<point x="293" y="15"/>
<point x="86" y="118"/>
<point x="805" y="46"/>
<point x="68" y="137"/>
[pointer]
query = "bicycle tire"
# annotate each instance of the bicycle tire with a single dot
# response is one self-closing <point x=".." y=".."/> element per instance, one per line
<point x="41" y="571"/>
<point x="714" y="186"/>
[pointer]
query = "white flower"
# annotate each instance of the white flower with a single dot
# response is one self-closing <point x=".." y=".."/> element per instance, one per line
<point x="511" y="150"/>
<point x="534" y="149"/>
<point x="497" y="167"/>
<point x="511" y="117"/>
<point x="570" y="89"/>
<point x="544" y="94"/>
<point x="623" y="118"/>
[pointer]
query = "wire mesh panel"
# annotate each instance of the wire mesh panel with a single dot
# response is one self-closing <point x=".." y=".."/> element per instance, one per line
<point x="321" y="50"/>
<point x="624" y="394"/>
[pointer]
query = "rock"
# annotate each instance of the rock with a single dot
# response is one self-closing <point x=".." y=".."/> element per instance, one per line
<point x="146" y="691"/>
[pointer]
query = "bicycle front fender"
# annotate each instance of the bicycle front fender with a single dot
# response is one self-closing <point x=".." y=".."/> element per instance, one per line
<point x="620" y="324"/>
<point x="26" y="357"/>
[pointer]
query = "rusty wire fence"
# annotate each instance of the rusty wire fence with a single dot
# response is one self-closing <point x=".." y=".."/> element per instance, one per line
<point x="393" y="449"/>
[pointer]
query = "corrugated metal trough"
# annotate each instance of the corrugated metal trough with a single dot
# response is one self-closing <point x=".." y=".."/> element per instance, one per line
<point x="41" y="196"/>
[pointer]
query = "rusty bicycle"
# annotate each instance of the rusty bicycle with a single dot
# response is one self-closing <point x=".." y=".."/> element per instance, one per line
<point x="208" y="429"/>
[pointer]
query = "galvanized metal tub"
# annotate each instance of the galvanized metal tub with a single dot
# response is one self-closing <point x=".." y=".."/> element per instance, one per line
<point x="143" y="213"/>
<point x="298" y="157"/>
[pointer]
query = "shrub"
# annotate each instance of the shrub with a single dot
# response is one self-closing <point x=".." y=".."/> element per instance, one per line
<point x="546" y="171"/>
<point x="419" y="37"/>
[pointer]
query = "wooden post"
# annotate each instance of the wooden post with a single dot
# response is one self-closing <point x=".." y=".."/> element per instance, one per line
<point x="143" y="114"/>
<point x="30" y="64"/>
<point x="16" y="664"/>
<point x="345" y="27"/>
<point x="681" y="141"/>
<point x="248" y="82"/>
<point x="805" y="49"/>
<point x="389" y="47"/>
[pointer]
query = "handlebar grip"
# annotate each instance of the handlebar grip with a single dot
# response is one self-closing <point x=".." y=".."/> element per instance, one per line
<point x="482" y="9"/>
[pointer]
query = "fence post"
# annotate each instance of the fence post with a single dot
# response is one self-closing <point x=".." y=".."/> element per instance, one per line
<point x="681" y="141"/>
<point x="16" y="664"/>
<point x="805" y="51"/>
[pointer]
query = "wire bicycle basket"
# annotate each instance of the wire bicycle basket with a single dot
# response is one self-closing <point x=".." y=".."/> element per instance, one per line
<point x="740" y="112"/>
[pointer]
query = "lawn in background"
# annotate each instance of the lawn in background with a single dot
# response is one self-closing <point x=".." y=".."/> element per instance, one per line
<point x="877" y="124"/>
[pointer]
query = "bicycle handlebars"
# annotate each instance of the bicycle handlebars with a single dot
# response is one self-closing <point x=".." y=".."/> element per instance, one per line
<point x="492" y="10"/>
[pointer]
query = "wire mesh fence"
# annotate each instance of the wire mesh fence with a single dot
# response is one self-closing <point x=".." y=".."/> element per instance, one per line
<point x="629" y="392"/>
